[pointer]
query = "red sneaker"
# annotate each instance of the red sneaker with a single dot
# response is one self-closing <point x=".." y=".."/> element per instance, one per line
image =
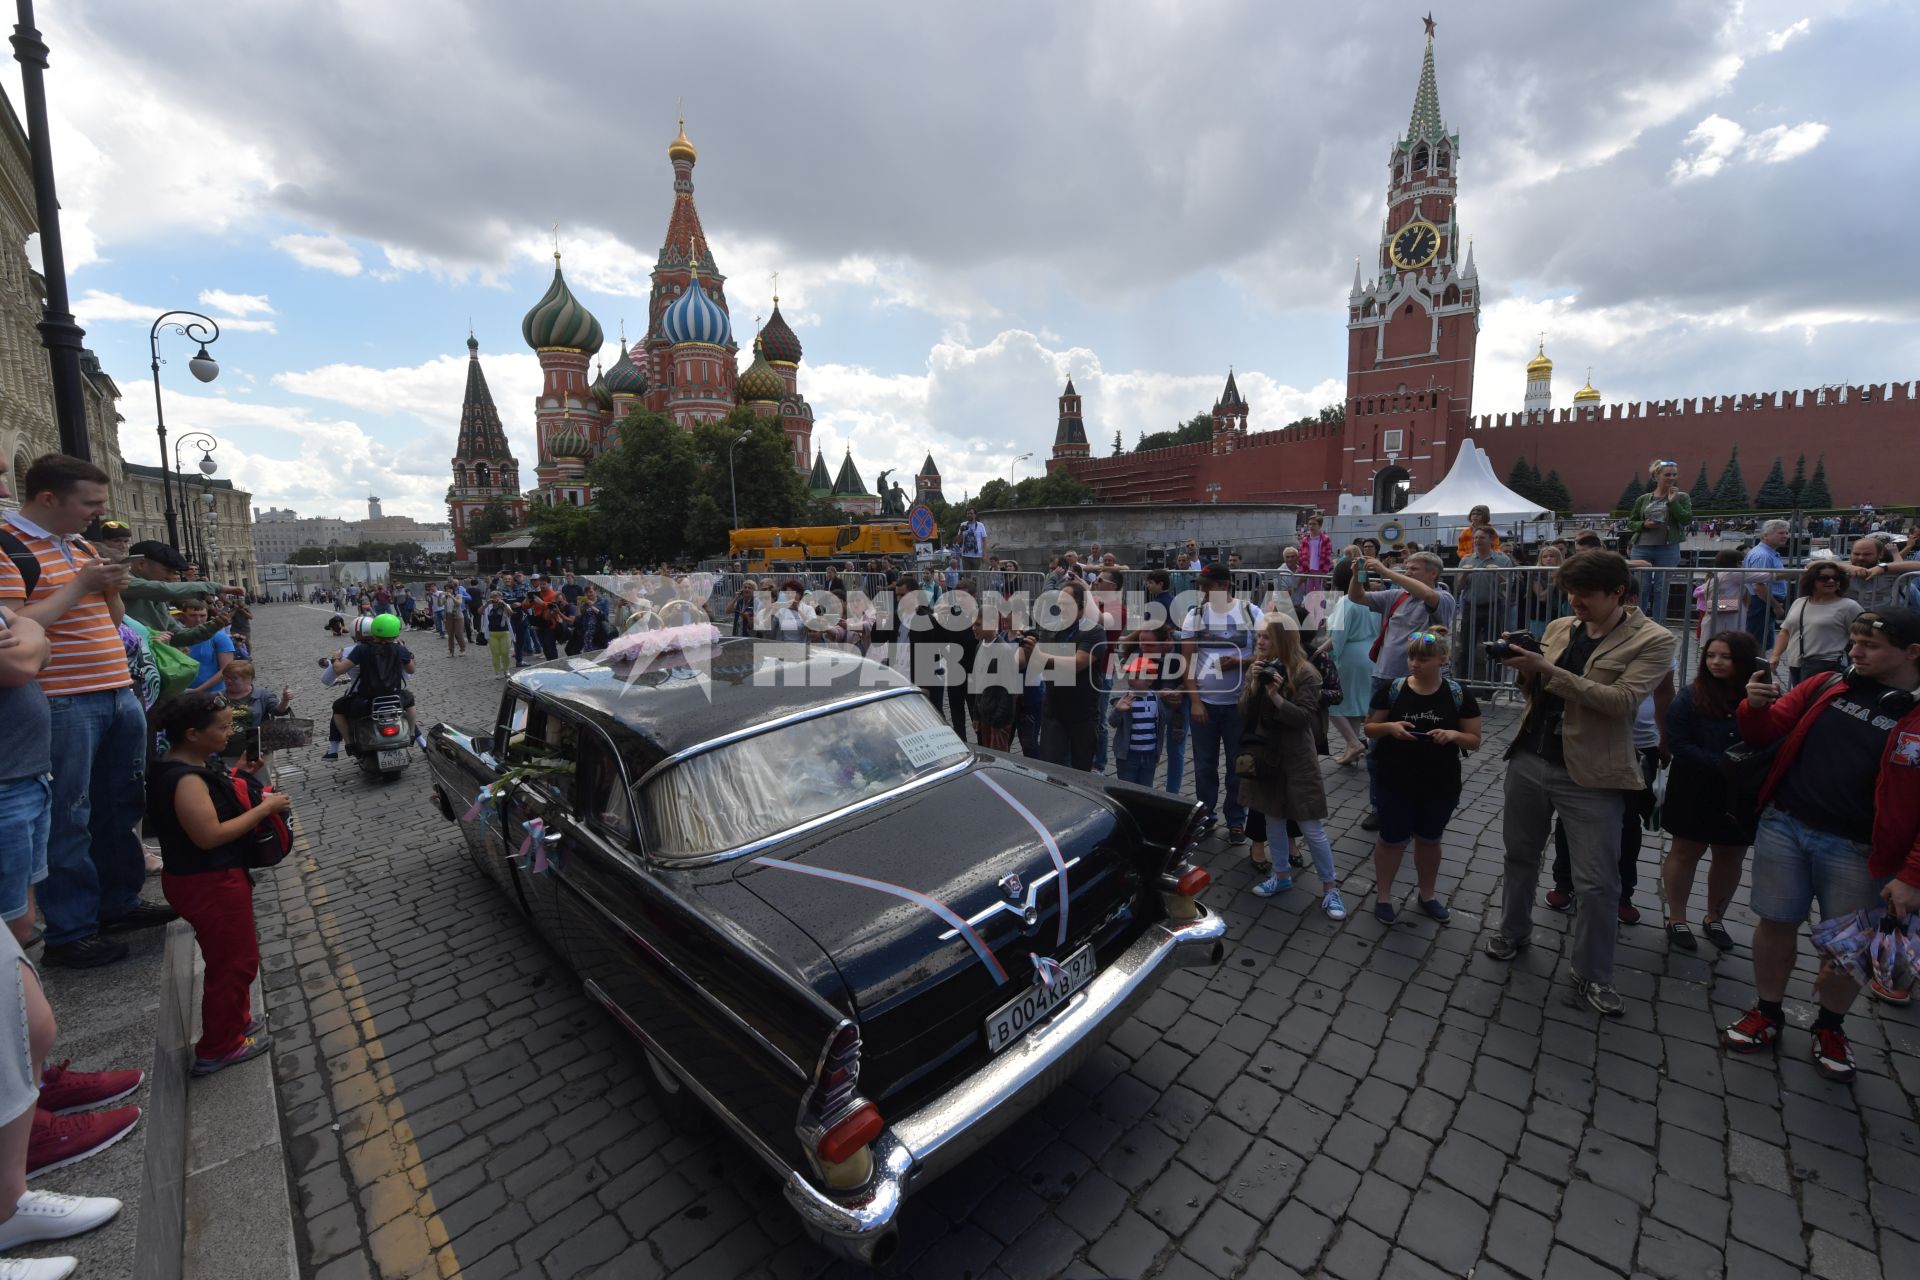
<point x="1629" y="914"/>
<point x="1754" y="1033"/>
<point x="1832" y="1055"/>
<point x="63" y="1091"/>
<point x="58" y="1141"/>
<point x="1889" y="994"/>
<point x="1558" y="901"/>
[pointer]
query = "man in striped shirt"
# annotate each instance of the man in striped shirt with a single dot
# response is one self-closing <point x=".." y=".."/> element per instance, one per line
<point x="94" y="863"/>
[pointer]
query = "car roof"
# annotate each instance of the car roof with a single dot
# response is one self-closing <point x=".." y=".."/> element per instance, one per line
<point x="679" y="702"/>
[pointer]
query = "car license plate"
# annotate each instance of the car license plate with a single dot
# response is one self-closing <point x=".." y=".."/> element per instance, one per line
<point x="1019" y="1015"/>
<point x="396" y="759"/>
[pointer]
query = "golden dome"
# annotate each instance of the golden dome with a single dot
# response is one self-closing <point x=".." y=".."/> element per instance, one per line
<point x="1540" y="366"/>
<point x="1586" y="394"/>
<point x="680" y="148"/>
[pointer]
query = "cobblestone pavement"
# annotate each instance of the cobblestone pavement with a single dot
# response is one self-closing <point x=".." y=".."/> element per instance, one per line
<point x="1354" y="1100"/>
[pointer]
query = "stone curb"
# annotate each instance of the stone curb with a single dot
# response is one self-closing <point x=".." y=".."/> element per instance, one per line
<point x="162" y="1229"/>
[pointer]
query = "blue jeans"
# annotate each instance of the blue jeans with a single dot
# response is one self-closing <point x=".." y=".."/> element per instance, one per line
<point x="1795" y="865"/>
<point x="1103" y="683"/>
<point x="1760" y="620"/>
<point x="440" y="622"/>
<point x="26" y="812"/>
<point x="94" y="862"/>
<point x="1177" y="748"/>
<point x="1653" y="583"/>
<point x="1220" y="729"/>
<point x="1137" y="767"/>
<point x="522" y="640"/>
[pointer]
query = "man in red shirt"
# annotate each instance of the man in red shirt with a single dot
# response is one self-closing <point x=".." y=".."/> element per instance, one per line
<point x="95" y="866"/>
<point x="1839" y="821"/>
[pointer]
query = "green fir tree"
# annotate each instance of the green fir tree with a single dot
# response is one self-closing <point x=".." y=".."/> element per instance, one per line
<point x="1774" y="494"/>
<point x="1630" y="494"/>
<point x="1799" y="482"/>
<point x="1554" y="493"/>
<point x="1815" y="497"/>
<point x="1702" y="491"/>
<point x="1731" y="493"/>
<point x="1524" y="479"/>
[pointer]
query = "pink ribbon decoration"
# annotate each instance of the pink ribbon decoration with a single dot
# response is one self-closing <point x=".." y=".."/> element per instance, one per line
<point x="479" y="803"/>
<point x="1050" y="971"/>
<point x="535" y="829"/>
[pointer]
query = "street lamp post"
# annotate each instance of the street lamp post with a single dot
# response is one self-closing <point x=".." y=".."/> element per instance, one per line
<point x="1010" y="466"/>
<point x="195" y="328"/>
<point x="206" y="444"/>
<point x="732" y="485"/>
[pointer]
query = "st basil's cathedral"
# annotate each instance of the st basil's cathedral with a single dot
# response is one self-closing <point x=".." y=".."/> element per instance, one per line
<point x="686" y="366"/>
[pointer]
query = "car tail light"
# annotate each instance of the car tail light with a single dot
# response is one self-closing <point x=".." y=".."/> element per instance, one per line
<point x="836" y="1123"/>
<point x="844" y="1140"/>
<point x="1180" y="890"/>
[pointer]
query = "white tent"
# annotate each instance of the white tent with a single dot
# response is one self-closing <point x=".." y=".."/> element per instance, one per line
<point x="1471" y="483"/>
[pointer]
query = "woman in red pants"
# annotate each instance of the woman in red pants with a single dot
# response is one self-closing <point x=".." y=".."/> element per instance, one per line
<point x="206" y="878"/>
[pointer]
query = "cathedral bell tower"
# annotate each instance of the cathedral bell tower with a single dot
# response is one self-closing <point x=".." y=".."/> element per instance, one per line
<point x="1413" y="320"/>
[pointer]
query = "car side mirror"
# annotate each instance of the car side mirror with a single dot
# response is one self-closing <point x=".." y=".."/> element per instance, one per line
<point x="482" y="746"/>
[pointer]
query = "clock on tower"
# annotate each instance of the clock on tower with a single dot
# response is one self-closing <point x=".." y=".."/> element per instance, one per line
<point x="1412" y="322"/>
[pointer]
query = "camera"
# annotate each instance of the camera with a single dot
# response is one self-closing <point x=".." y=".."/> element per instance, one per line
<point x="1266" y="673"/>
<point x="1509" y="644"/>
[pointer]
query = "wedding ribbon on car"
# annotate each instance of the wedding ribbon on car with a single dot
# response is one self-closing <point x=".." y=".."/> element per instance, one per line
<point x="536" y="842"/>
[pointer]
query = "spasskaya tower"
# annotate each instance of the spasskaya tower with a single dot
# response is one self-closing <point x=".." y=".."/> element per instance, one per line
<point x="1413" y="320"/>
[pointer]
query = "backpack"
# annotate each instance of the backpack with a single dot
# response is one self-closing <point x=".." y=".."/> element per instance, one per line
<point x="383" y="672"/>
<point x="271" y="838"/>
<point x="1331" y="694"/>
<point x="23" y="560"/>
<point x="497" y="619"/>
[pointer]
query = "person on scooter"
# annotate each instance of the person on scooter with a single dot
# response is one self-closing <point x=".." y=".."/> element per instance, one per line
<point x="379" y="666"/>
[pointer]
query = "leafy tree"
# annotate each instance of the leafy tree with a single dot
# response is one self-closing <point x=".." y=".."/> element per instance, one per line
<point x="487" y="523"/>
<point x="1815" y="497"/>
<point x="1799" y="482"/>
<point x="1702" y="491"/>
<point x="1053" y="489"/>
<point x="771" y="492"/>
<point x="1774" y="494"/>
<point x="1554" y="493"/>
<point x="1193" y="431"/>
<point x="819" y="511"/>
<point x="1731" y="493"/>
<point x="994" y="495"/>
<point x="1630" y="494"/>
<point x="562" y="530"/>
<point x="1118" y="448"/>
<point x="311" y="555"/>
<point x="642" y="489"/>
<point x="1333" y="413"/>
<point x="1524" y="478"/>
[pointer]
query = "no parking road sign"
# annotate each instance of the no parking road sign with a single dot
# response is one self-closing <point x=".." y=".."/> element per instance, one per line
<point x="920" y="520"/>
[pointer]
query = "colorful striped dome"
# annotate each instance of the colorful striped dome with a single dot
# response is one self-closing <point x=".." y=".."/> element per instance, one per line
<point x="568" y="442"/>
<point x="695" y="317"/>
<point x="626" y="378"/>
<point x="760" y="382"/>
<point x="558" y="319"/>
<point x="781" y="346"/>
<point x="601" y="396"/>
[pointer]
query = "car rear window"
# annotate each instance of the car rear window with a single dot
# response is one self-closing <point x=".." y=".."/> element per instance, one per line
<point x="769" y="783"/>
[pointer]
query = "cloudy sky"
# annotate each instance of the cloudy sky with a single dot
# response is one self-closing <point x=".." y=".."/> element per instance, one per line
<point x="964" y="203"/>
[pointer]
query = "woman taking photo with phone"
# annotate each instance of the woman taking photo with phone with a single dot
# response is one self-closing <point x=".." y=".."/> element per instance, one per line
<point x="1659" y="525"/>
<point x="1424" y="722"/>
<point x="1700" y="728"/>
<point x="1279" y="761"/>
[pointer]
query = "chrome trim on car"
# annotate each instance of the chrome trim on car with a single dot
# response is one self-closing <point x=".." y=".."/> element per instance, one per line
<point x="767" y="726"/>
<point x="801" y="828"/>
<point x="959" y="1122"/>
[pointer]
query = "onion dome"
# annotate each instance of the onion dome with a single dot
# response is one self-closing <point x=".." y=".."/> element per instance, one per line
<point x="781" y="346"/>
<point x="569" y="443"/>
<point x="680" y="148"/>
<point x="1540" y="366"/>
<point x="760" y="382"/>
<point x="626" y="378"/>
<point x="558" y="319"/>
<point x="601" y="395"/>
<point x="695" y="317"/>
<point x="1586" y="394"/>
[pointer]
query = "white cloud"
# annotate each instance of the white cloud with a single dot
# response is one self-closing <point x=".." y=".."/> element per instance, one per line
<point x="236" y="304"/>
<point x="1784" y="142"/>
<point x="96" y="307"/>
<point x="322" y="253"/>
<point x="1717" y="141"/>
<point x="1778" y="40"/>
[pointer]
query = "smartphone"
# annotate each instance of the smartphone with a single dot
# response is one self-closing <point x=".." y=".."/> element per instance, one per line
<point x="1762" y="670"/>
<point x="253" y="742"/>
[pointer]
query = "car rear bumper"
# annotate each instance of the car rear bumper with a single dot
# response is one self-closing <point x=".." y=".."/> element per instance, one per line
<point x="951" y="1127"/>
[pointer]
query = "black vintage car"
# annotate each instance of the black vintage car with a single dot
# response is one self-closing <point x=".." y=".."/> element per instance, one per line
<point x="864" y="945"/>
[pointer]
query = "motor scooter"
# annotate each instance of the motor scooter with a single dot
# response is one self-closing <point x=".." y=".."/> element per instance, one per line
<point x="379" y="740"/>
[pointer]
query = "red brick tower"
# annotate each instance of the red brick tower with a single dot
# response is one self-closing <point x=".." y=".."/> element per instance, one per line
<point x="1411" y="329"/>
<point x="684" y="249"/>
<point x="1070" y="437"/>
<point x="484" y="470"/>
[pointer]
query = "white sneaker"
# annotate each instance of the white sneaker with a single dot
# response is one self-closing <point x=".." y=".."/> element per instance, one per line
<point x="37" y="1268"/>
<point x="48" y="1215"/>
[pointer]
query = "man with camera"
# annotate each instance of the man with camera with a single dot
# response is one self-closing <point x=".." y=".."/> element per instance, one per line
<point x="1413" y="600"/>
<point x="1062" y="658"/>
<point x="1217" y="639"/>
<point x="1574" y="756"/>
<point x="1839" y="819"/>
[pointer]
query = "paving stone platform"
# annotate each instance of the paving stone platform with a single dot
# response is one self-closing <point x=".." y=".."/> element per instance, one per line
<point x="1352" y="1100"/>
